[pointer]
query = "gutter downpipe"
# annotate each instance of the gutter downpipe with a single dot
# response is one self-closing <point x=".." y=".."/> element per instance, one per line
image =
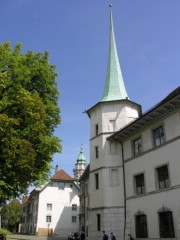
<point x="84" y="196"/>
<point x="122" y="150"/>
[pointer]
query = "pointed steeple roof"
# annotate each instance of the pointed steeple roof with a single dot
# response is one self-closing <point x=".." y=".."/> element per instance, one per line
<point x="81" y="158"/>
<point x="114" y="87"/>
<point x="80" y="164"/>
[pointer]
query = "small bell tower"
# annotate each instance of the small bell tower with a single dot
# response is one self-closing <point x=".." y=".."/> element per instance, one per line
<point x="80" y="165"/>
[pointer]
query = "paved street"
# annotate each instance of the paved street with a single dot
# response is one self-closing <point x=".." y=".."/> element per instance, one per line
<point x="31" y="237"/>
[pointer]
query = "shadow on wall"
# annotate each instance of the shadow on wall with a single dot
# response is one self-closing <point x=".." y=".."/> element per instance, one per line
<point x="68" y="222"/>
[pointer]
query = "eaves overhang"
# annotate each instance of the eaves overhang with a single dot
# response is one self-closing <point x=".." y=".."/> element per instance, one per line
<point x="126" y="101"/>
<point x="164" y="108"/>
<point x="63" y="180"/>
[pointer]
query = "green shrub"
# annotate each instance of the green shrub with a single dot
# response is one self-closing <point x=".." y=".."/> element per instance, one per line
<point x="4" y="231"/>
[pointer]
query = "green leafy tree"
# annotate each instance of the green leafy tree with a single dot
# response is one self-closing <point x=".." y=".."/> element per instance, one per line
<point x="12" y="214"/>
<point x="29" y="114"/>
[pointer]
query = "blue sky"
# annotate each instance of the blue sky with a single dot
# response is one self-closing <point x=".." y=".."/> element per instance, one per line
<point x="76" y="34"/>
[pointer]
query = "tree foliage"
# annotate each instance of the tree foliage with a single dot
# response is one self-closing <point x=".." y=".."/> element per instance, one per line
<point x="29" y="114"/>
<point x="12" y="213"/>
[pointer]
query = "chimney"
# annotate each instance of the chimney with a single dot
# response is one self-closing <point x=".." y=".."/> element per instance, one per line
<point x="56" y="169"/>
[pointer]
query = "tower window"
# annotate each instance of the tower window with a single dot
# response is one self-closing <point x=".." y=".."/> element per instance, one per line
<point x="113" y="177"/>
<point x="96" y="129"/>
<point x="98" y="216"/>
<point x="112" y="125"/>
<point x="113" y="147"/>
<point x="96" y="152"/>
<point x="96" y="181"/>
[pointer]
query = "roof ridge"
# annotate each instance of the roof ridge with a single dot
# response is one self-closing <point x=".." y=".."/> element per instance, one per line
<point x="62" y="175"/>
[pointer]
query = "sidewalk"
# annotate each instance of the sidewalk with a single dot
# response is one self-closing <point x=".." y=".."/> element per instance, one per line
<point x="31" y="237"/>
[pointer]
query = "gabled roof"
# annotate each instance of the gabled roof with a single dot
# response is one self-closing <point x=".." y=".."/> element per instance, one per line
<point x="61" y="175"/>
<point x="167" y="106"/>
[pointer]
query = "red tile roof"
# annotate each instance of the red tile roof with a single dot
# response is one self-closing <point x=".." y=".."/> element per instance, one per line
<point x="62" y="175"/>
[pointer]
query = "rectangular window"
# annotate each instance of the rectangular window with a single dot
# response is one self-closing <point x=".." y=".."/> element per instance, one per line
<point x="74" y="219"/>
<point x="48" y="218"/>
<point x="137" y="145"/>
<point x="113" y="147"/>
<point x="96" y="152"/>
<point x="166" y="226"/>
<point x="96" y="129"/>
<point x="74" y="207"/>
<point x="139" y="184"/>
<point x="141" y="226"/>
<point x="158" y="135"/>
<point x="49" y="206"/>
<point x="114" y="177"/>
<point x="98" y="222"/>
<point x="61" y="185"/>
<point x="112" y="125"/>
<point x="163" y="177"/>
<point x="96" y="181"/>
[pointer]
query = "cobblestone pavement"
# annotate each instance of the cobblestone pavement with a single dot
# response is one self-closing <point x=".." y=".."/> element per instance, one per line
<point x="31" y="237"/>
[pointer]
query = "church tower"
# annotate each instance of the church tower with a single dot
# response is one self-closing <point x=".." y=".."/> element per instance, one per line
<point x="80" y="165"/>
<point x="113" y="112"/>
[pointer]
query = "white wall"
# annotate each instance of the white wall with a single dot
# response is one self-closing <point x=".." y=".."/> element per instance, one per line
<point x="108" y="200"/>
<point x="61" y="213"/>
<point x="153" y="157"/>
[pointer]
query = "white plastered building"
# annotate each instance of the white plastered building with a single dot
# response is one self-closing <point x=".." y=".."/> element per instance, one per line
<point x="53" y="210"/>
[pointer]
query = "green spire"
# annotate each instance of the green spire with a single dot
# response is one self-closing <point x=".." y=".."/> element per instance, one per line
<point x="81" y="158"/>
<point x="114" y="87"/>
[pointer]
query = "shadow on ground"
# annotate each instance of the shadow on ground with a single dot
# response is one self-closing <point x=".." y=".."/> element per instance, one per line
<point x="31" y="237"/>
